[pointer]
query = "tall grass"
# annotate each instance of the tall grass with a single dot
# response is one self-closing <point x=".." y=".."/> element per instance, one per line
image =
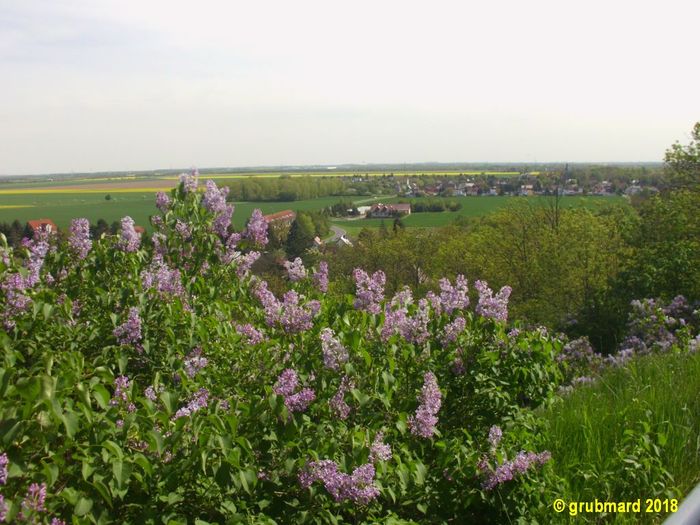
<point x="635" y="433"/>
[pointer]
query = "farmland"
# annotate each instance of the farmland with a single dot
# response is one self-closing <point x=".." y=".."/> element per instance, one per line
<point x="86" y="198"/>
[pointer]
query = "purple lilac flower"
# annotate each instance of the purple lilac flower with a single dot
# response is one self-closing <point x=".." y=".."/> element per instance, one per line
<point x="454" y="297"/>
<point x="495" y="435"/>
<point x="495" y="307"/>
<point x="250" y="333"/>
<point x="358" y="487"/>
<point x="415" y="328"/>
<point x="79" y="240"/>
<point x="3" y="508"/>
<point x="121" y="391"/>
<point x="370" y="290"/>
<point x="287" y="383"/>
<point x="334" y="353"/>
<point x="435" y="302"/>
<point x="130" y="239"/>
<point x="289" y="313"/>
<point x="337" y="403"/>
<point x="199" y="401"/>
<point x="162" y="201"/>
<point x="423" y="422"/>
<point x="582" y="380"/>
<point x="320" y="277"/>
<point x="4" y="461"/>
<point x="295" y="270"/>
<point x="694" y="344"/>
<point x="130" y="331"/>
<point x="195" y="362"/>
<point x="16" y="301"/>
<point x="34" y="500"/>
<point x="183" y="229"/>
<point x="150" y="393"/>
<point x="514" y="332"/>
<point x="300" y="401"/>
<point x="164" y="281"/>
<point x="190" y="181"/>
<point x="622" y="357"/>
<point x="56" y="521"/>
<point x="395" y="313"/>
<point x="256" y="231"/>
<point x="452" y="330"/>
<point x="246" y="263"/>
<point x="214" y="200"/>
<point x="379" y="451"/>
<point x="509" y="469"/>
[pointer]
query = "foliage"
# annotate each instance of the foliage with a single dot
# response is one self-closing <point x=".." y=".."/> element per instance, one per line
<point x="683" y="162"/>
<point x="143" y="383"/>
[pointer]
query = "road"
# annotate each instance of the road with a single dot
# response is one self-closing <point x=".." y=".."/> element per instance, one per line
<point x="337" y="234"/>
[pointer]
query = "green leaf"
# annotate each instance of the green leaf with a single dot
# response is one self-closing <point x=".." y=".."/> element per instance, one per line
<point x="71" y="422"/>
<point x="82" y="507"/>
<point x="101" y="395"/>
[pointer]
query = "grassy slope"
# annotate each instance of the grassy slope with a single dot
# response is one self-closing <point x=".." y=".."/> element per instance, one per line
<point x="586" y="430"/>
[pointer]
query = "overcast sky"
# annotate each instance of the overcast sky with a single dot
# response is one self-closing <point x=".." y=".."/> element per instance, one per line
<point x="89" y="85"/>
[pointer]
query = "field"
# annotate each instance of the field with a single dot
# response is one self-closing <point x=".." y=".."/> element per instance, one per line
<point x="471" y="207"/>
<point x="61" y="204"/>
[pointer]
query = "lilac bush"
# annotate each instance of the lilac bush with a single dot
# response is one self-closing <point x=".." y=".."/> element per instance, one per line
<point x="166" y="380"/>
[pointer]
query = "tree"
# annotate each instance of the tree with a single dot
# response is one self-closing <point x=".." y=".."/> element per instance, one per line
<point x="683" y="162"/>
<point x="301" y="236"/>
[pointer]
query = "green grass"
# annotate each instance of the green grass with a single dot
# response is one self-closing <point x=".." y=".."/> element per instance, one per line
<point x="62" y="207"/>
<point x="471" y="207"/>
<point x="586" y="431"/>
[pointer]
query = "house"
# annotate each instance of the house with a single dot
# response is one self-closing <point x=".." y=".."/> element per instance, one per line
<point x="45" y="225"/>
<point x="280" y="216"/>
<point x="527" y="189"/>
<point x="140" y="230"/>
<point x="381" y="211"/>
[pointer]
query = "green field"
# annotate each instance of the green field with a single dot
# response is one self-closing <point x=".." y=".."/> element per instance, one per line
<point x="471" y="207"/>
<point x="61" y="207"/>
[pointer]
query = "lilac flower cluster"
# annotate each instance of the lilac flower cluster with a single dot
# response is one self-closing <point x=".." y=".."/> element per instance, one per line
<point x="34" y="500"/>
<point x="452" y="330"/>
<point x="3" y="508"/>
<point x="379" y="451"/>
<point x="4" y="461"/>
<point x="334" y="353"/>
<point x="423" y="422"/>
<point x="337" y="403"/>
<point x="121" y="391"/>
<point x="152" y="392"/>
<point x="396" y="319"/>
<point x="250" y="333"/>
<point x="320" y="277"/>
<point x="183" y="229"/>
<point x="289" y="313"/>
<point x="163" y="202"/>
<point x="295" y="270"/>
<point x="129" y="332"/>
<point x="454" y="297"/>
<point x="458" y="367"/>
<point x="129" y="239"/>
<point x="164" y="281"/>
<point x="495" y="307"/>
<point x="214" y="200"/>
<point x="286" y="384"/>
<point x="245" y="262"/>
<point x="79" y="240"/>
<point x="357" y="487"/>
<point x="256" y="231"/>
<point x="509" y="469"/>
<point x="194" y="362"/>
<point x="370" y="290"/>
<point x="190" y="181"/>
<point x="199" y="401"/>
<point x="14" y="287"/>
<point x="495" y="436"/>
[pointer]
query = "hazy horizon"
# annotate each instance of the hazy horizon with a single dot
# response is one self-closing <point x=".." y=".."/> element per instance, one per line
<point x="126" y="86"/>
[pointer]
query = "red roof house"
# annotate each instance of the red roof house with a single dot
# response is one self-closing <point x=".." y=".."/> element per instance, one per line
<point x="46" y="225"/>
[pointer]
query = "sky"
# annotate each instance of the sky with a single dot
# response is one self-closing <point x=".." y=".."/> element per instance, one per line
<point x="112" y="85"/>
